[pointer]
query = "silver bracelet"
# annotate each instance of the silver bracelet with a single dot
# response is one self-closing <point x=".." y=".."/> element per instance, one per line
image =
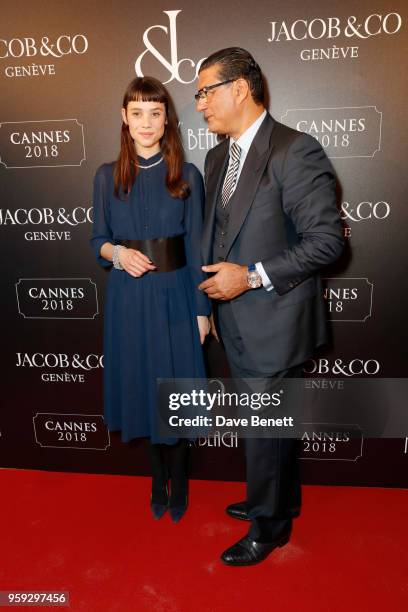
<point x="115" y="256"/>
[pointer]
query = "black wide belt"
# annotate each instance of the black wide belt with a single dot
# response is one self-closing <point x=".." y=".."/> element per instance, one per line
<point x="167" y="254"/>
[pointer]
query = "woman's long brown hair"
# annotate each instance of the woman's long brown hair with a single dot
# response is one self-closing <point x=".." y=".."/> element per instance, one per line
<point x="148" y="89"/>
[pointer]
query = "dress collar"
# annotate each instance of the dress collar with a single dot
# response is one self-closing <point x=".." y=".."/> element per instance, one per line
<point x="146" y="162"/>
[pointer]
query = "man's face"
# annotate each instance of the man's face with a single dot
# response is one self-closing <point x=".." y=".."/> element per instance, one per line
<point x="218" y="106"/>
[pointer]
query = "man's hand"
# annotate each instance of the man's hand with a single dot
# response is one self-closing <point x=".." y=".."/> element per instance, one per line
<point x="229" y="281"/>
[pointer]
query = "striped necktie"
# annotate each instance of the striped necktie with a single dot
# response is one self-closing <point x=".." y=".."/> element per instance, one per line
<point x="231" y="176"/>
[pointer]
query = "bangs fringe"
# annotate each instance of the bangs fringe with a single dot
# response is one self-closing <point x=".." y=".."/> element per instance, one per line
<point x="143" y="90"/>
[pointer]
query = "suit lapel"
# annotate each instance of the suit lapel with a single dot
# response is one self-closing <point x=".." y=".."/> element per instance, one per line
<point x="254" y="166"/>
<point x="216" y="173"/>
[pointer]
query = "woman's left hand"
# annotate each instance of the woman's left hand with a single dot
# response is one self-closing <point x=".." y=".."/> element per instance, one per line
<point x="203" y="327"/>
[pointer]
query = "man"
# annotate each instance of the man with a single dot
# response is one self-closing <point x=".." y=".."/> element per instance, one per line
<point x="271" y="224"/>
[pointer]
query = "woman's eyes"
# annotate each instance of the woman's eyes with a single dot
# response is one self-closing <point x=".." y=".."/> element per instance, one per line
<point x="138" y="115"/>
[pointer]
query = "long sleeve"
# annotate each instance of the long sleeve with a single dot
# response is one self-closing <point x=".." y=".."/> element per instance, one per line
<point x="309" y="200"/>
<point x="193" y="221"/>
<point x="101" y="231"/>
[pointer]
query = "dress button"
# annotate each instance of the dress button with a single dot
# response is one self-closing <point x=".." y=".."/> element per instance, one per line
<point x="221" y="246"/>
<point x="223" y="233"/>
<point x="221" y="258"/>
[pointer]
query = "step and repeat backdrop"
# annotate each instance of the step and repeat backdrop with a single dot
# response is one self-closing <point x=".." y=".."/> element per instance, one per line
<point x="335" y="70"/>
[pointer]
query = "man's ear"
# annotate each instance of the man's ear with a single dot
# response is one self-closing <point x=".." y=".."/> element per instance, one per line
<point x="242" y="89"/>
<point x="124" y="118"/>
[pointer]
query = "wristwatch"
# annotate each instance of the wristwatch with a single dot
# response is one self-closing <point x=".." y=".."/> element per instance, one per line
<point x="254" y="279"/>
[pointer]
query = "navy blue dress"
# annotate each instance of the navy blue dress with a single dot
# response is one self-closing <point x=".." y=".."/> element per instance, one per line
<point x="150" y="324"/>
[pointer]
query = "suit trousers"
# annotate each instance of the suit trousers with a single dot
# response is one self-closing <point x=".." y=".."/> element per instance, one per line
<point x="272" y="468"/>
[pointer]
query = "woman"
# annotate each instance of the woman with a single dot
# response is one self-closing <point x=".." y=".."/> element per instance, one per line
<point x="147" y="228"/>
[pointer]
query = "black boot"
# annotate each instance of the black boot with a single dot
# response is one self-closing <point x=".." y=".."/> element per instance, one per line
<point x="159" y="500"/>
<point x="178" y="465"/>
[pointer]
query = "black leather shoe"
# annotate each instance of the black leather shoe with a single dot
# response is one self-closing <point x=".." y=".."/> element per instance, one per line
<point x="158" y="510"/>
<point x="178" y="498"/>
<point x="159" y="500"/>
<point x="177" y="512"/>
<point x="238" y="511"/>
<point x="249" y="552"/>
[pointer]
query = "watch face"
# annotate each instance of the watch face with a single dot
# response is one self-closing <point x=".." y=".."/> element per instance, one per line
<point x="254" y="279"/>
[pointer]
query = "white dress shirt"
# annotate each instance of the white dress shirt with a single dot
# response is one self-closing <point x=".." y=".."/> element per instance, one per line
<point x="245" y="141"/>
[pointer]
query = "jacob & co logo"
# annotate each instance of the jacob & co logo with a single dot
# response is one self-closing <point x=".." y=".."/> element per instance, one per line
<point x="352" y="29"/>
<point x="355" y="367"/>
<point x="365" y="211"/>
<point x="30" y="48"/>
<point x="60" y="367"/>
<point x="37" y="218"/>
<point x="173" y="65"/>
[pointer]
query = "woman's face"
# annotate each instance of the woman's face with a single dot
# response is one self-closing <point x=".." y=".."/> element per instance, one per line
<point x="147" y="122"/>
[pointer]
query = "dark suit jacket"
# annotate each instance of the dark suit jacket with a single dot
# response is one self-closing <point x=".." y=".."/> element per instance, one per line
<point x="284" y="215"/>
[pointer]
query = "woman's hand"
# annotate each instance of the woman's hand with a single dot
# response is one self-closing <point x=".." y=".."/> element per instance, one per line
<point x="203" y="327"/>
<point x="213" y="329"/>
<point x="134" y="262"/>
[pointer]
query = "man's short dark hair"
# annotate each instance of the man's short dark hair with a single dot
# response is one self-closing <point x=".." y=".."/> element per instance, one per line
<point x="237" y="63"/>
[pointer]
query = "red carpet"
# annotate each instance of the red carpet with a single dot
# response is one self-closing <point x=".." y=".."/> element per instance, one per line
<point x="93" y="536"/>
